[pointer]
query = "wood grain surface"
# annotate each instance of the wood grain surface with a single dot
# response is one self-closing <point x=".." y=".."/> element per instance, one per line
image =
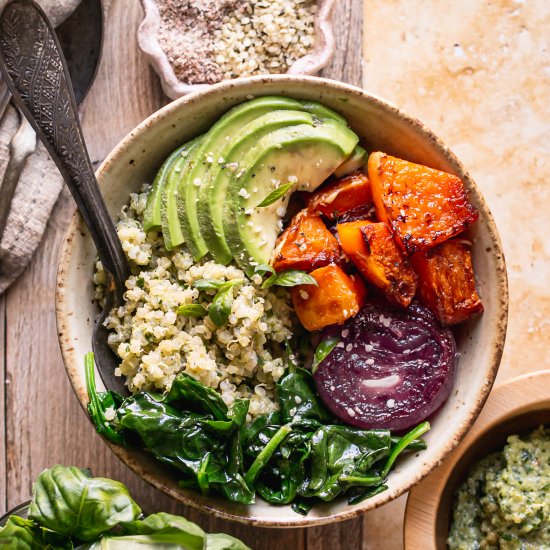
<point x="41" y="420"/>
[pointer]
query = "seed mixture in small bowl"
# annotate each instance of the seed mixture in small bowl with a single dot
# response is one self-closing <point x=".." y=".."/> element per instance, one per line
<point x="192" y="44"/>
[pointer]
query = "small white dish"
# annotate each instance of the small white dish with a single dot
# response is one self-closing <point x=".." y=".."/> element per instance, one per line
<point x="173" y="87"/>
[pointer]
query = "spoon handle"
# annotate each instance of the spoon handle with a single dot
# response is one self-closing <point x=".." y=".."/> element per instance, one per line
<point x="35" y="70"/>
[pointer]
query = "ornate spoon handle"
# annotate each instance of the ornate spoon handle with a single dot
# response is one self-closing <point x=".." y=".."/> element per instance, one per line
<point x="36" y="73"/>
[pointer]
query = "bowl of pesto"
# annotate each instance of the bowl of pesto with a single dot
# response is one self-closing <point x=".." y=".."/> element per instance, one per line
<point x="493" y="492"/>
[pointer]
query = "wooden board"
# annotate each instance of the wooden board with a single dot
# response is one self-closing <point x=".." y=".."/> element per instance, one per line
<point x="42" y="422"/>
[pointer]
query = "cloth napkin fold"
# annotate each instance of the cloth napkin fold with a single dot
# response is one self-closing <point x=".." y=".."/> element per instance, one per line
<point x="37" y="191"/>
<point x="39" y="185"/>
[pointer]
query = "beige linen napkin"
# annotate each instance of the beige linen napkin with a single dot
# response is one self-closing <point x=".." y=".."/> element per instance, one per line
<point x="38" y="187"/>
<point x="35" y="196"/>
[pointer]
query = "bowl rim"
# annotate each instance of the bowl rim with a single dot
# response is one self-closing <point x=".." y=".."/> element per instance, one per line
<point x="72" y="365"/>
<point x="509" y="399"/>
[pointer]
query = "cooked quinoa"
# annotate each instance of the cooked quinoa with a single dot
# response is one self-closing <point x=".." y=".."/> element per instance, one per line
<point x="242" y="359"/>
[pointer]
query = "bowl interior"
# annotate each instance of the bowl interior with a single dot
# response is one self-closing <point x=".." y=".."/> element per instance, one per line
<point x="381" y="127"/>
<point x="487" y="442"/>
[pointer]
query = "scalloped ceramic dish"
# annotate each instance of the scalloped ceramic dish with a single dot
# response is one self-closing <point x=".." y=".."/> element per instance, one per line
<point x="517" y="406"/>
<point x="174" y="88"/>
<point x="381" y="126"/>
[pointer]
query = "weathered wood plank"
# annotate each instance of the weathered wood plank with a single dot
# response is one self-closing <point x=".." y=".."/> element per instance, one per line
<point x="346" y="64"/>
<point x="45" y="424"/>
<point x="3" y="427"/>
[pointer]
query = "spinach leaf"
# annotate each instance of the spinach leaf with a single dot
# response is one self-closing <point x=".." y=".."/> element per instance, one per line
<point x="322" y="351"/>
<point x="276" y="194"/>
<point x="403" y="444"/>
<point x="298" y="398"/>
<point x="302" y="506"/>
<point x="220" y="308"/>
<point x="263" y="457"/>
<point x="70" y="502"/>
<point x="290" y="277"/>
<point x="191" y="310"/>
<point x="357" y="495"/>
<point x="196" y="397"/>
<point x="100" y="403"/>
<point x="342" y="457"/>
<point x="24" y="534"/>
<point x="182" y="439"/>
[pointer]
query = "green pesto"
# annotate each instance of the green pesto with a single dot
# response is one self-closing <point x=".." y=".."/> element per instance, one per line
<point x="505" y="501"/>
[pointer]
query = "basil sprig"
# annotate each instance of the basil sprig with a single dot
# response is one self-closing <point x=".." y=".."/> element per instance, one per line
<point x="322" y="351"/>
<point x="275" y="195"/>
<point x="192" y="310"/>
<point x="290" y="277"/>
<point x="220" y="308"/>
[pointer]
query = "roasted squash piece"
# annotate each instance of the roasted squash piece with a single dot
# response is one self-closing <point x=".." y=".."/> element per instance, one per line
<point x="337" y="298"/>
<point x="447" y="284"/>
<point x="343" y="195"/>
<point x="373" y="250"/>
<point x="422" y="206"/>
<point x="305" y="244"/>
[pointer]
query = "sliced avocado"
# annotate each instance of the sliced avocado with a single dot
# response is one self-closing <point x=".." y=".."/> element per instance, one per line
<point x="152" y="215"/>
<point x="357" y="159"/>
<point x="304" y="154"/>
<point x="208" y="155"/>
<point x="171" y="230"/>
<point x="212" y="193"/>
<point x="323" y="112"/>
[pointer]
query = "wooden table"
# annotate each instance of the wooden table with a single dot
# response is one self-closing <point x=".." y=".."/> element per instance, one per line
<point x="471" y="70"/>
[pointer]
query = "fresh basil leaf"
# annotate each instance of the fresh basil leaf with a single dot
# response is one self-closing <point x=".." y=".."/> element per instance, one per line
<point x="290" y="277"/>
<point x="24" y="534"/>
<point x="192" y="310"/>
<point x="70" y="502"/>
<point x="100" y="403"/>
<point x="220" y="308"/>
<point x="262" y="269"/>
<point x="276" y="194"/>
<point x="208" y="284"/>
<point x="322" y="351"/>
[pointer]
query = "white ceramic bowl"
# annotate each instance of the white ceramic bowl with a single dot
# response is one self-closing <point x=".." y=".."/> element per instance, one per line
<point x="381" y="126"/>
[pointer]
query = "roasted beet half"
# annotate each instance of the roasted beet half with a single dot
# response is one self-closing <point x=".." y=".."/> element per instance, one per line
<point x="391" y="369"/>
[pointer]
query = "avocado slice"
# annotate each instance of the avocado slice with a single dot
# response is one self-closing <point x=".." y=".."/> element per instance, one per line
<point x="358" y="158"/>
<point x="171" y="230"/>
<point x="323" y="112"/>
<point x="152" y="214"/>
<point x="208" y="155"/>
<point x="304" y="154"/>
<point x="212" y="193"/>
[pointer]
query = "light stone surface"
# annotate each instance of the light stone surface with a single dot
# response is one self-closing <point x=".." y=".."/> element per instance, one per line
<point x="478" y="74"/>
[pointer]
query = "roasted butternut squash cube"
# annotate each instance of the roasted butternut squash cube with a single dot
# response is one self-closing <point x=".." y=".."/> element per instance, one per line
<point x="447" y="284"/>
<point x="349" y="193"/>
<point x="337" y="298"/>
<point x="305" y="244"/>
<point x="373" y="250"/>
<point x="422" y="206"/>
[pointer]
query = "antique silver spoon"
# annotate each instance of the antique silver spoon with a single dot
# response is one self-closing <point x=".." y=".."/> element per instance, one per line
<point x="34" y="68"/>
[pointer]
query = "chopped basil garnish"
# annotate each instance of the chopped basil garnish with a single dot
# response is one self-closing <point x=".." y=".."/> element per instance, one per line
<point x="291" y="277"/>
<point x="276" y="194"/>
